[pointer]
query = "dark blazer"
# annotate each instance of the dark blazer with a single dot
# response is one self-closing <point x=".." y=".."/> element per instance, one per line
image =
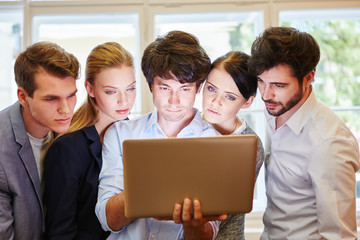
<point x="21" y="212"/>
<point x="71" y="175"/>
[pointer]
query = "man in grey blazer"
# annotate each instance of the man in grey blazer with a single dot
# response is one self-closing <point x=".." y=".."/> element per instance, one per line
<point x="46" y="78"/>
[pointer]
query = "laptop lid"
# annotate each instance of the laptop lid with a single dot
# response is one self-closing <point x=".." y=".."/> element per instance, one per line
<point x="219" y="171"/>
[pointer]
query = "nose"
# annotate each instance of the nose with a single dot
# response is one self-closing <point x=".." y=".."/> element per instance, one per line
<point x="217" y="99"/>
<point x="174" y="98"/>
<point x="64" y="107"/>
<point x="266" y="91"/>
<point x="122" y="99"/>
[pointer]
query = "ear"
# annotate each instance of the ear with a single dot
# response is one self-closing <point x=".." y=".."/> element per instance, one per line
<point x="308" y="78"/>
<point x="22" y="96"/>
<point x="248" y="102"/>
<point x="89" y="88"/>
<point x="199" y="89"/>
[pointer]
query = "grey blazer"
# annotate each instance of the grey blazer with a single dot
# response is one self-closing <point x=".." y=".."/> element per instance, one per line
<point x="21" y="211"/>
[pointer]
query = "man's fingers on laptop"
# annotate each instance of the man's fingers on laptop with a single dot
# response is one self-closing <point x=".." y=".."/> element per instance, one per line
<point x="177" y="213"/>
<point x="197" y="210"/>
<point x="186" y="212"/>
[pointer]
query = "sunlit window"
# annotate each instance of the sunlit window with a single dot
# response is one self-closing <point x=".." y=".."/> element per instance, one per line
<point x="79" y="34"/>
<point x="10" y="45"/>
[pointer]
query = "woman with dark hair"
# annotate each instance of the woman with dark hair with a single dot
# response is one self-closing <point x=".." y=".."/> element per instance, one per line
<point x="229" y="88"/>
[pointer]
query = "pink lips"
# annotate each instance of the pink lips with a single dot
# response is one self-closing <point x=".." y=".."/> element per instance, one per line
<point x="63" y="120"/>
<point x="270" y="106"/>
<point x="174" y="110"/>
<point x="213" y="112"/>
<point x="122" y="112"/>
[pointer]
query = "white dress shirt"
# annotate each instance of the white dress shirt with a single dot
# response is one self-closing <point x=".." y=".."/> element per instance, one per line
<point x="310" y="176"/>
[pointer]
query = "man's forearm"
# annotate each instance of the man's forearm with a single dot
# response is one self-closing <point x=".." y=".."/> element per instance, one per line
<point x="115" y="215"/>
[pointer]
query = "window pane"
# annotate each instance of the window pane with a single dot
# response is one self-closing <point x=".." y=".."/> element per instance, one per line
<point x="11" y="35"/>
<point x="79" y="34"/>
<point x="219" y="33"/>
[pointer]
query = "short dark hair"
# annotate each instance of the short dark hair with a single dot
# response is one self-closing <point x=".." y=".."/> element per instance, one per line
<point x="176" y="54"/>
<point x="48" y="56"/>
<point x="235" y="63"/>
<point x="284" y="45"/>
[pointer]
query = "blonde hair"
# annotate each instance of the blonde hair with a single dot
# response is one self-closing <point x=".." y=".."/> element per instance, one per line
<point x="107" y="55"/>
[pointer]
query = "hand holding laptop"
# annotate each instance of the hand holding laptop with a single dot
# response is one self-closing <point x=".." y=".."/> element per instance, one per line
<point x="189" y="214"/>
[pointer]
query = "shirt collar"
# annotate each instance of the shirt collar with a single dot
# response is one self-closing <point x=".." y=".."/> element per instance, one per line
<point x="195" y="127"/>
<point x="298" y="120"/>
<point x="152" y="121"/>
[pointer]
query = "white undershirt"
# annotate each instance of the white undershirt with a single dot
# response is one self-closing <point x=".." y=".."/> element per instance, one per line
<point x="39" y="147"/>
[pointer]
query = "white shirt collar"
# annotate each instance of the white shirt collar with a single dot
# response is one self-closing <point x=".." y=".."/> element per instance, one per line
<point x="298" y="120"/>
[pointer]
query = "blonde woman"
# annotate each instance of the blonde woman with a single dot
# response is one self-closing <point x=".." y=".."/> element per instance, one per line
<point x="228" y="89"/>
<point x="73" y="162"/>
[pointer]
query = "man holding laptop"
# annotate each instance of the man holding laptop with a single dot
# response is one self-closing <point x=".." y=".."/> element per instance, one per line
<point x="175" y="66"/>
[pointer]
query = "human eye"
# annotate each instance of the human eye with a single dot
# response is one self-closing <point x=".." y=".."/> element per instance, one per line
<point x="279" y="85"/>
<point x="110" y="92"/>
<point x="186" y="89"/>
<point x="211" y="89"/>
<point x="230" y="97"/>
<point x="72" y="95"/>
<point x="163" y="88"/>
<point x="130" y="89"/>
<point x="50" y="98"/>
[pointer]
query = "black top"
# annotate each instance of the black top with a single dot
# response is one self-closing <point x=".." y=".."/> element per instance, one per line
<point x="71" y="176"/>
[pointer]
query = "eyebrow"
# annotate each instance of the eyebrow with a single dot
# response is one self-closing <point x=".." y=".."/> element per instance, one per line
<point x="183" y="85"/>
<point x="134" y="82"/>
<point x="212" y="85"/>
<point x="57" y="96"/>
<point x="73" y="93"/>
<point x="258" y="78"/>
<point x="109" y="86"/>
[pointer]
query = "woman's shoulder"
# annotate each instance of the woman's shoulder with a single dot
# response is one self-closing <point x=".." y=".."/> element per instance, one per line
<point x="78" y="137"/>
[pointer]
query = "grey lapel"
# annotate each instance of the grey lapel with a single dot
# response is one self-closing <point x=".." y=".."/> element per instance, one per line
<point x="27" y="159"/>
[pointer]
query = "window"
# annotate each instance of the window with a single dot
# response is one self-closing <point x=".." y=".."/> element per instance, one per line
<point x="80" y="33"/>
<point x="11" y="35"/>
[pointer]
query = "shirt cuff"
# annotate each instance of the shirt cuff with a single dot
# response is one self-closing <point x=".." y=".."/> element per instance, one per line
<point x="215" y="228"/>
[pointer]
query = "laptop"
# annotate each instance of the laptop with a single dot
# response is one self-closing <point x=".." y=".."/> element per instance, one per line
<point x="219" y="171"/>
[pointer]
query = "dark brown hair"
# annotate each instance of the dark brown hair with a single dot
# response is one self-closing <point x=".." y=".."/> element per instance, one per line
<point x="176" y="54"/>
<point x="235" y="64"/>
<point x="284" y="45"/>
